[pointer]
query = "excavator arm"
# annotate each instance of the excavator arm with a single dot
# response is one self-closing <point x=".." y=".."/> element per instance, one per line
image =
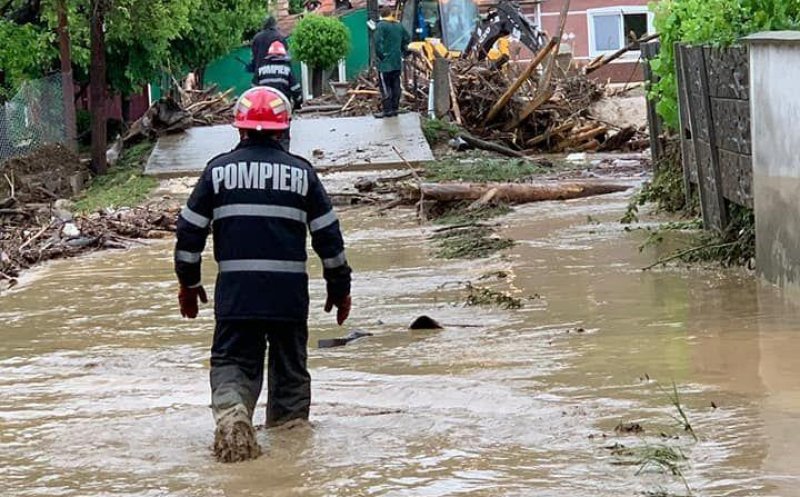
<point x="504" y="20"/>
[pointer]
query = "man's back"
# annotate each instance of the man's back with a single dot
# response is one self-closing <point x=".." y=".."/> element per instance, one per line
<point x="260" y="46"/>
<point x="262" y="201"/>
<point x="391" y="41"/>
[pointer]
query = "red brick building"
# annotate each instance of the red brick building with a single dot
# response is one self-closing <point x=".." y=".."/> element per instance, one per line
<point x="599" y="27"/>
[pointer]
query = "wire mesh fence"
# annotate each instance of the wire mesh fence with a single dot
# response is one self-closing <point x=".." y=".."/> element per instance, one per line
<point x="32" y="118"/>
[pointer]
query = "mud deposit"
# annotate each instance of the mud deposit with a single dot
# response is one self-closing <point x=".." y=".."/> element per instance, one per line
<point x="41" y="176"/>
<point x="104" y="388"/>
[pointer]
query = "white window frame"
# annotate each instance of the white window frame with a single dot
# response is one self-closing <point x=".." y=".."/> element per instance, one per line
<point x="621" y="11"/>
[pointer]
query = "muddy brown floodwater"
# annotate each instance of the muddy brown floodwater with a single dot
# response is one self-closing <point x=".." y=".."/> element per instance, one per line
<point x="104" y="389"/>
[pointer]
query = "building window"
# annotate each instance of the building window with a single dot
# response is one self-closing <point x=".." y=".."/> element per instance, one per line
<point x="612" y="29"/>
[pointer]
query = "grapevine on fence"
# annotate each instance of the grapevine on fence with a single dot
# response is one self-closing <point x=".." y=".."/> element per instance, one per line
<point x="714" y="22"/>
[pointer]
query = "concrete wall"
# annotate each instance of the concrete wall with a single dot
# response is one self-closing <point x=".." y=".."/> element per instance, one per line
<point x="774" y="76"/>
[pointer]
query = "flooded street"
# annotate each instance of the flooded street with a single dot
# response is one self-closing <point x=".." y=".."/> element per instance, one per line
<point x="104" y="388"/>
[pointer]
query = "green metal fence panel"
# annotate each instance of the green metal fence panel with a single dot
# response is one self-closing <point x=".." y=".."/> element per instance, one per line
<point x="358" y="59"/>
<point x="228" y="71"/>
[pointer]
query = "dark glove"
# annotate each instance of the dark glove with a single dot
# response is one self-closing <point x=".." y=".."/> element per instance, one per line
<point x="187" y="298"/>
<point x="342" y="308"/>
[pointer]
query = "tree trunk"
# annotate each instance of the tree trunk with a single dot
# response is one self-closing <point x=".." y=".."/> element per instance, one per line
<point x="200" y="77"/>
<point x="67" y="86"/>
<point x="97" y="91"/>
<point x="513" y="193"/>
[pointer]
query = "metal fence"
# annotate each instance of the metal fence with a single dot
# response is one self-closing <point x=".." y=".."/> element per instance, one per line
<point x="32" y="118"/>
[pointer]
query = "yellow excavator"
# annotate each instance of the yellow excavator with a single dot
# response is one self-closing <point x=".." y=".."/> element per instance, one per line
<point x="454" y="28"/>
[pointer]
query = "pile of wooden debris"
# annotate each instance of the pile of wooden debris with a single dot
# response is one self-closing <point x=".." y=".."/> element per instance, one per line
<point x="528" y="111"/>
<point x="543" y="107"/>
<point x="31" y="233"/>
<point x="191" y="108"/>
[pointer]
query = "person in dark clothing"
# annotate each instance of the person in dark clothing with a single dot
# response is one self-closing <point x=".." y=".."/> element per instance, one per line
<point x="276" y="72"/>
<point x="391" y="43"/>
<point x="261" y="201"/>
<point x="264" y="39"/>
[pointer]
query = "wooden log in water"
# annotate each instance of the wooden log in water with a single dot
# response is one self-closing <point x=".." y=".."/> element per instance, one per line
<point x="513" y="193"/>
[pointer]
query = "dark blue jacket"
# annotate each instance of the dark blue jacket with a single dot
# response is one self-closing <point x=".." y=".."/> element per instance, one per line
<point x="276" y="72"/>
<point x="260" y="201"/>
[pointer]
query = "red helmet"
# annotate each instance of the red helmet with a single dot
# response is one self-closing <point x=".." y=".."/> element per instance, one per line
<point x="277" y="48"/>
<point x="263" y="109"/>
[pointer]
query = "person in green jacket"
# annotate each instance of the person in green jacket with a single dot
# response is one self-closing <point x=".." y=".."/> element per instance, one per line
<point x="391" y="42"/>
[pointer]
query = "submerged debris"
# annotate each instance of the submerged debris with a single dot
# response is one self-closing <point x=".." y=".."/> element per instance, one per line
<point x="425" y="323"/>
<point x="463" y="213"/>
<point x="329" y="343"/>
<point x="473" y="241"/>
<point x="629" y="428"/>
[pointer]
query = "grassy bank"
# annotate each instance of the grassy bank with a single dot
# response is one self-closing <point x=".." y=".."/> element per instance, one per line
<point x="123" y="186"/>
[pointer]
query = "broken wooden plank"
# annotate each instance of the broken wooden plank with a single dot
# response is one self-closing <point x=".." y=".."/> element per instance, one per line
<point x="525" y="76"/>
<point x="619" y="53"/>
<point x="491" y="146"/>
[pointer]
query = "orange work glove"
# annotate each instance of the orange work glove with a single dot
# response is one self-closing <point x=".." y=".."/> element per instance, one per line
<point x="187" y="298"/>
<point x="342" y="308"/>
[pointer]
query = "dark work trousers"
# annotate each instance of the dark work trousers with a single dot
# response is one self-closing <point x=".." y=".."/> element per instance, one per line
<point x="390" y="90"/>
<point x="237" y="367"/>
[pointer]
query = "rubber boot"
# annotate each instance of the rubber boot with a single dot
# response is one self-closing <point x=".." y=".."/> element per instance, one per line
<point x="235" y="437"/>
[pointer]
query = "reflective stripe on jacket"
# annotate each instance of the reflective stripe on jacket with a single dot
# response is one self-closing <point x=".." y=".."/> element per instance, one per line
<point x="276" y="72"/>
<point x="261" y="202"/>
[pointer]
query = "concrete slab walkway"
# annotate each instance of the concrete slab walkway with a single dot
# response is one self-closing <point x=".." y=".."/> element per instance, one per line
<point x="346" y="143"/>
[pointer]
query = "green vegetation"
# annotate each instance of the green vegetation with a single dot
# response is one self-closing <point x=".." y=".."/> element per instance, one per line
<point x="477" y="295"/>
<point x="717" y="22"/>
<point x="123" y="185"/>
<point x="468" y="242"/>
<point x="24" y="55"/>
<point x="681" y="418"/>
<point x="666" y="190"/>
<point x="296" y="6"/>
<point x="659" y="458"/>
<point x="215" y="29"/>
<point x="142" y="37"/>
<point x="438" y="131"/>
<point x="482" y="168"/>
<point x="139" y="34"/>
<point x="320" y="41"/>
<point x="736" y="246"/>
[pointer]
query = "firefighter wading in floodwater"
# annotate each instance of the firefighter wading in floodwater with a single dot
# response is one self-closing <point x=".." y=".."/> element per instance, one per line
<point x="260" y="200"/>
